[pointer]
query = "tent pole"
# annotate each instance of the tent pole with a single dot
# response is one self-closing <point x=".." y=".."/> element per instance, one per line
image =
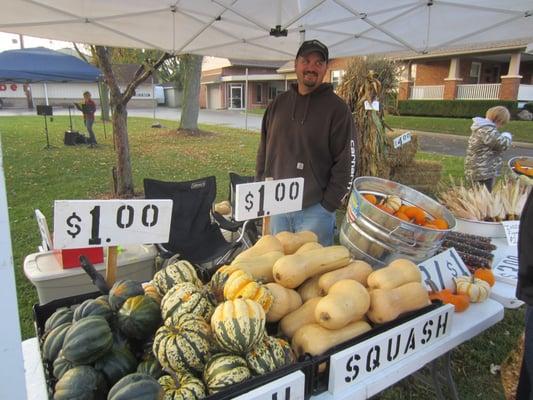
<point x="246" y="102"/>
<point x="45" y="93"/>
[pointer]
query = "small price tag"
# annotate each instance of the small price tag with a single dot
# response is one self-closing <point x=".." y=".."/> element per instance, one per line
<point x="374" y="106"/>
<point x="442" y="268"/>
<point x="290" y="387"/>
<point x="401" y="140"/>
<point x="88" y="223"/>
<point x="511" y="231"/>
<point x="260" y="199"/>
<point x="507" y="269"/>
<point x="352" y="366"/>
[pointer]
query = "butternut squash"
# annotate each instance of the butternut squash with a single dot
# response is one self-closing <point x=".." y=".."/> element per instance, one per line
<point x="309" y="288"/>
<point x="285" y="300"/>
<point x="387" y="304"/>
<point x="303" y="315"/>
<point x="346" y="301"/>
<point x="357" y="270"/>
<point x="308" y="246"/>
<point x="292" y="270"/>
<point x="266" y="244"/>
<point x="293" y="241"/>
<point x="315" y="339"/>
<point x="260" y="267"/>
<point x="397" y="273"/>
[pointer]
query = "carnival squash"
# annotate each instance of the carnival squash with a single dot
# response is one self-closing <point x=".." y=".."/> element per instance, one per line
<point x="178" y="272"/>
<point x="224" y="370"/>
<point x="284" y="301"/>
<point x="347" y="300"/>
<point x="293" y="241"/>
<point x="182" y="386"/>
<point x="314" y="339"/>
<point x="260" y="267"/>
<point x="265" y="244"/>
<point x="387" y="304"/>
<point x="476" y="289"/>
<point x="241" y="284"/>
<point x="356" y="270"/>
<point x="218" y="280"/>
<point x="310" y="288"/>
<point x="270" y="354"/>
<point x="292" y="270"/>
<point x="186" y="298"/>
<point x="397" y="273"/>
<point x="303" y="315"/>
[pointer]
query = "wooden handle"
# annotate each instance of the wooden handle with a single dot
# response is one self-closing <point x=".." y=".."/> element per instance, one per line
<point x="266" y="220"/>
<point x="111" y="266"/>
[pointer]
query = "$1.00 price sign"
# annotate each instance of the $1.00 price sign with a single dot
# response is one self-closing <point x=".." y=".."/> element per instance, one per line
<point x="87" y="223"/>
<point x="261" y="199"/>
<point x="401" y="140"/>
<point x="442" y="268"/>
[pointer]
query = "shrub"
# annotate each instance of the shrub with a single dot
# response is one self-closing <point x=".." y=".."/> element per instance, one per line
<point x="529" y="107"/>
<point x="452" y="108"/>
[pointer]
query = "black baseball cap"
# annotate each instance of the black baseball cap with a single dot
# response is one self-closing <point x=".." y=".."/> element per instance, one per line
<point x="310" y="46"/>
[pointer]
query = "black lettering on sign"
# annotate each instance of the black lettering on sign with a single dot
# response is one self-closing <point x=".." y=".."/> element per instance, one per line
<point x="351" y="366"/>
<point x="391" y="357"/>
<point x="458" y="263"/>
<point x="410" y="345"/>
<point x="439" y="275"/>
<point x="425" y="272"/>
<point x="442" y="324"/>
<point x="372" y="358"/>
<point x="287" y="394"/>
<point x="426" y="331"/>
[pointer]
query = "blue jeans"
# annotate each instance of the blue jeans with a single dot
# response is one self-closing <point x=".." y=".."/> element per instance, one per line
<point x="89" y="125"/>
<point x="313" y="218"/>
<point x="524" y="390"/>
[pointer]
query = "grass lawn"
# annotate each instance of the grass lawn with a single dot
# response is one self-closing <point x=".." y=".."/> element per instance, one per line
<point x="522" y="130"/>
<point x="35" y="177"/>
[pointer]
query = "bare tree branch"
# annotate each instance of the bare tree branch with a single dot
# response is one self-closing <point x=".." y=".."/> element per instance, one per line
<point x="82" y="56"/>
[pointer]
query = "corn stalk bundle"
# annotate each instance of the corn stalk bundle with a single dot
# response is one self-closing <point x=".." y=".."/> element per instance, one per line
<point x="505" y="202"/>
<point x="367" y="80"/>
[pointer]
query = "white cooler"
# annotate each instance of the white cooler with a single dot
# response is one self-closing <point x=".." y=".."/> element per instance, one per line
<point x="53" y="282"/>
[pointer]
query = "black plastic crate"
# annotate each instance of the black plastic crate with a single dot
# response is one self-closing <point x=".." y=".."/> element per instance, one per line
<point x="317" y="371"/>
<point x="42" y="312"/>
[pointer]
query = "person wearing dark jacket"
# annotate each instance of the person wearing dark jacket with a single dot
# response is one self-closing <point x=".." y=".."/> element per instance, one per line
<point x="88" y="108"/>
<point x="309" y="132"/>
<point x="524" y="292"/>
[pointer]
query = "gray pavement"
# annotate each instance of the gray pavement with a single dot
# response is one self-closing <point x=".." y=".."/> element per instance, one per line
<point x="428" y="141"/>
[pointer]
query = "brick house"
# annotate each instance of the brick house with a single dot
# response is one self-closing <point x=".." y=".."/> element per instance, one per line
<point x="500" y="71"/>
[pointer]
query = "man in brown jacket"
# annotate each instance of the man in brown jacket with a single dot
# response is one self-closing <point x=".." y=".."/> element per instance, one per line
<point x="309" y="132"/>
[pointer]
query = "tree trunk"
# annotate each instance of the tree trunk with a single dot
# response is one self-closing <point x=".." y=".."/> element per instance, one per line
<point x="120" y="131"/>
<point x="191" y="93"/>
<point x="104" y="100"/>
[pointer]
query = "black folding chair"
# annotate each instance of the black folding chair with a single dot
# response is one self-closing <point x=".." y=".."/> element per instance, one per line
<point x="193" y="235"/>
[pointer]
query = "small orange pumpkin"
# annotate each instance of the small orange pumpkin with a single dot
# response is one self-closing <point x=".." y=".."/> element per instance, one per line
<point x="485" y="274"/>
<point x="460" y="301"/>
<point x="371" y="198"/>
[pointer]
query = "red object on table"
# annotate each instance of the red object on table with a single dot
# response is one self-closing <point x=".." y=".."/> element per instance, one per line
<point x="70" y="258"/>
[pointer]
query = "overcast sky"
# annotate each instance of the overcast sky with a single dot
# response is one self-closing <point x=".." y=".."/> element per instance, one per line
<point x="9" y="41"/>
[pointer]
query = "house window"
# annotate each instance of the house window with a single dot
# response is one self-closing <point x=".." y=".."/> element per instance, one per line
<point x="475" y="71"/>
<point x="272" y="92"/>
<point x="259" y="93"/>
<point x="336" y="77"/>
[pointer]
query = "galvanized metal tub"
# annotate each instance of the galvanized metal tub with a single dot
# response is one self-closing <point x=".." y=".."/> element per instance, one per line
<point x="377" y="237"/>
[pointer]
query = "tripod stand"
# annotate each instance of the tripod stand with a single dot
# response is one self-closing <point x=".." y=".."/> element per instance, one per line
<point x="45" y="111"/>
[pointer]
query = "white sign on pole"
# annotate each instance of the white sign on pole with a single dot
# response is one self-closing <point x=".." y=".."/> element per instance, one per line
<point x="88" y="223"/>
<point x="352" y="366"/>
<point x="401" y="140"/>
<point x="442" y="268"/>
<point x="290" y="387"/>
<point x="374" y="106"/>
<point x="511" y="231"/>
<point x="261" y="199"/>
<point x="507" y="269"/>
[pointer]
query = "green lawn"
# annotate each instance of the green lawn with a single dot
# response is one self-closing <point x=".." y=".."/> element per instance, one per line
<point x="35" y="177"/>
<point x="522" y="130"/>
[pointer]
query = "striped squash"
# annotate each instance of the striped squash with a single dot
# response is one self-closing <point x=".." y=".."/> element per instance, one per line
<point x="224" y="370"/>
<point x="238" y="325"/>
<point x="151" y="291"/>
<point x="98" y="306"/>
<point x="139" y="317"/>
<point x="183" y="343"/>
<point x="178" y="272"/>
<point x="241" y="284"/>
<point x="272" y="353"/>
<point x="54" y="341"/>
<point x="123" y="290"/>
<point x="61" y="365"/>
<point x="218" y="280"/>
<point x="186" y="298"/>
<point x="182" y="386"/>
<point x="60" y="316"/>
<point x="87" y="340"/>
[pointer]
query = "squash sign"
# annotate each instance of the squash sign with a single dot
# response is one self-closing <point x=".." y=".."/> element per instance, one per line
<point x="363" y="360"/>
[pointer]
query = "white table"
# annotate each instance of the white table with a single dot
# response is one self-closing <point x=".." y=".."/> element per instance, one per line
<point x="465" y="326"/>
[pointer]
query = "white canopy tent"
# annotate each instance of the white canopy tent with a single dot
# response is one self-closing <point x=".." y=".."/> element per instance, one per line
<point x="245" y="29"/>
<point x="271" y="29"/>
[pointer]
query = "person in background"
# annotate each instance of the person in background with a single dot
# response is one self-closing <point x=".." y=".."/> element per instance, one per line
<point x="524" y="292"/>
<point x="486" y="144"/>
<point x="88" y="108"/>
<point x="309" y="132"/>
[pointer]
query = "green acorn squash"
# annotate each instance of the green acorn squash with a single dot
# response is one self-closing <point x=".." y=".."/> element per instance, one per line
<point x="139" y="317"/>
<point x="81" y="383"/>
<point x="54" y="341"/>
<point x="123" y="290"/>
<point x="60" y="316"/>
<point x="87" y="340"/>
<point x="61" y="365"/>
<point x="136" y="387"/>
<point x="98" y="306"/>
<point x="116" y="363"/>
<point x="150" y="366"/>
